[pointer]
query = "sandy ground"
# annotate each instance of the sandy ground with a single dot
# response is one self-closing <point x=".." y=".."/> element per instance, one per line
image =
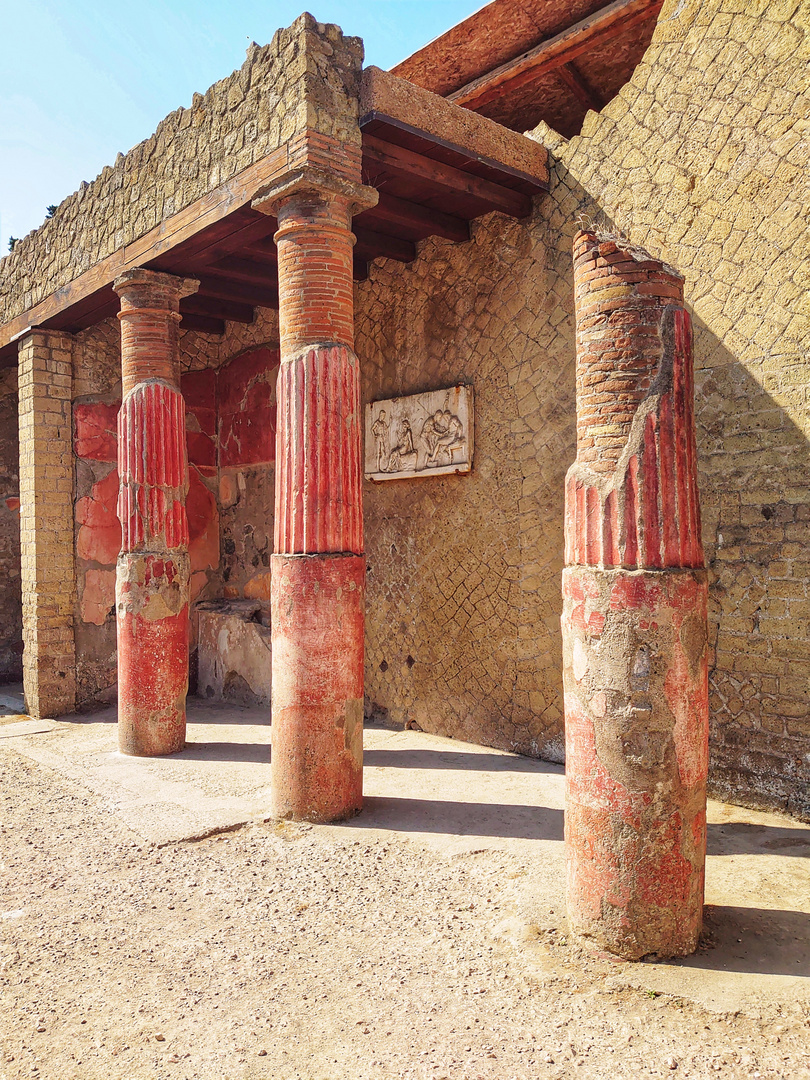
<point x="426" y="939"/>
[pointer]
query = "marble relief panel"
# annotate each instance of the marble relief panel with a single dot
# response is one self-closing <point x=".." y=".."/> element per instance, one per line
<point x="428" y="434"/>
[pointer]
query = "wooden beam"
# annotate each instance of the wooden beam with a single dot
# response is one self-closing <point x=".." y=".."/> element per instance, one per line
<point x="561" y="49"/>
<point x="406" y="163"/>
<point x="225" y="288"/>
<point x="202" y="323"/>
<point x="579" y="87"/>
<point x="216" y="309"/>
<point x="264" y="250"/>
<point x="255" y="273"/>
<point x="377" y="245"/>
<point x="420" y="219"/>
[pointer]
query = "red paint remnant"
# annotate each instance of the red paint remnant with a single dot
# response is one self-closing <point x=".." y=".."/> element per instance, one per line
<point x="13" y="503"/>
<point x="203" y="524"/>
<point x="99" y="535"/>
<point x="199" y="390"/>
<point x="634" y="640"/>
<point x="95" y="425"/>
<point x="317" y="734"/>
<point x="98" y="596"/>
<point x="247" y="409"/>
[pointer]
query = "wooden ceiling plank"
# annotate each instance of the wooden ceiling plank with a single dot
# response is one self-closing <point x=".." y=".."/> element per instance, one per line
<point x="418" y="218"/>
<point x="382" y="245"/>
<point x="406" y="163"/>
<point x="561" y="49"/>
<point x="225" y="288"/>
<point x="239" y="269"/>
<point x="579" y="87"/>
<point x="216" y="309"/>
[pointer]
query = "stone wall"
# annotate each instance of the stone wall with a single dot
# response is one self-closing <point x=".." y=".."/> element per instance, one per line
<point x="701" y="160"/>
<point x="306" y="78"/>
<point x="10" y="594"/>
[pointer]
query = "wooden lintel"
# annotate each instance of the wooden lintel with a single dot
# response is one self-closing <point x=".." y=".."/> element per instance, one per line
<point x="403" y="162"/>
<point x="419" y="219"/>
<point x="579" y="87"/>
<point x="601" y="26"/>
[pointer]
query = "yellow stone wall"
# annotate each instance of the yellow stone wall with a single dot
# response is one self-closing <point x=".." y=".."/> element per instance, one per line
<point x="701" y="158"/>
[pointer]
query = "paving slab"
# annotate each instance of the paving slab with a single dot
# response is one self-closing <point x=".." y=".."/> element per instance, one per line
<point x="460" y="800"/>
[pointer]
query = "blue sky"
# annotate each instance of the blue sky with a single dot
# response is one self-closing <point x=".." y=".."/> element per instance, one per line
<point x="82" y="79"/>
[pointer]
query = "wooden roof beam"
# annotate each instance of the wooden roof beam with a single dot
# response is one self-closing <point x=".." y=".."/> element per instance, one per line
<point x="402" y="162"/>
<point x="604" y="24"/>
<point x="416" y="218"/>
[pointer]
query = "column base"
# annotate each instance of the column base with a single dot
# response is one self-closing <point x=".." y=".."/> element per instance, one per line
<point x="318" y="611"/>
<point x="153" y="642"/>
<point x="636" y="737"/>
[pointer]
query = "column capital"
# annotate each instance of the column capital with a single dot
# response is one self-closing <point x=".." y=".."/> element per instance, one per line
<point x="311" y="181"/>
<point x="162" y="290"/>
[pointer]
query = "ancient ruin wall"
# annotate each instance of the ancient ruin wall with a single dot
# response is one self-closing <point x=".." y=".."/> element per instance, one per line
<point x="700" y="159"/>
<point x="10" y="591"/>
<point x="307" y="77"/>
<point x="462" y="625"/>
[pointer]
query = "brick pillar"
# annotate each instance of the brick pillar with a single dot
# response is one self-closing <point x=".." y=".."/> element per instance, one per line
<point x="318" y="569"/>
<point x="46" y="522"/>
<point x="634" y="614"/>
<point x="151" y="591"/>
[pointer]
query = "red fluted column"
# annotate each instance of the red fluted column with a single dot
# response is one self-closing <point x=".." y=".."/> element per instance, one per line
<point x="634" y="614"/>
<point x="151" y="591"/>
<point x="318" y="569"/>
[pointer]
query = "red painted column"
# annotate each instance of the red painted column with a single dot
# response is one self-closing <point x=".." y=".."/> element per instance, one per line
<point x="151" y="592"/>
<point x="634" y="614"/>
<point x="318" y="569"/>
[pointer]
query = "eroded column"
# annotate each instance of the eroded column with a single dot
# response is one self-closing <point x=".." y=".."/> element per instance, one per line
<point x="634" y="614"/>
<point x="318" y="569"/>
<point x="151" y="591"/>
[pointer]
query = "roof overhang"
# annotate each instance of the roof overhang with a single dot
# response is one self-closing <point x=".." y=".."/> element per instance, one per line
<point x="436" y="166"/>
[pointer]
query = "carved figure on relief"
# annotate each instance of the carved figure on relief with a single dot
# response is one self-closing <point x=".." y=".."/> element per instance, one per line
<point x="423" y="434"/>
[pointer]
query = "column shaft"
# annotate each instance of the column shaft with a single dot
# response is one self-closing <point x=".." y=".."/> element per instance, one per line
<point x="152" y="577"/>
<point x="318" y="569"/>
<point x="46" y="522"/>
<point x="634" y="614"/>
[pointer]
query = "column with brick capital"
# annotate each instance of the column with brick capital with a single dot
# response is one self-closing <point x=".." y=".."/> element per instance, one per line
<point x="45" y="374"/>
<point x="318" y="569"/>
<point x="152" y="578"/>
<point x="634" y="621"/>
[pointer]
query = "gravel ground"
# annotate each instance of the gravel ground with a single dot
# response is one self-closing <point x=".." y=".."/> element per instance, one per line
<point x="285" y="952"/>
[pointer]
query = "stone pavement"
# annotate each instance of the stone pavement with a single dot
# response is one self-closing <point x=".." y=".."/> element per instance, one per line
<point x="453" y="797"/>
